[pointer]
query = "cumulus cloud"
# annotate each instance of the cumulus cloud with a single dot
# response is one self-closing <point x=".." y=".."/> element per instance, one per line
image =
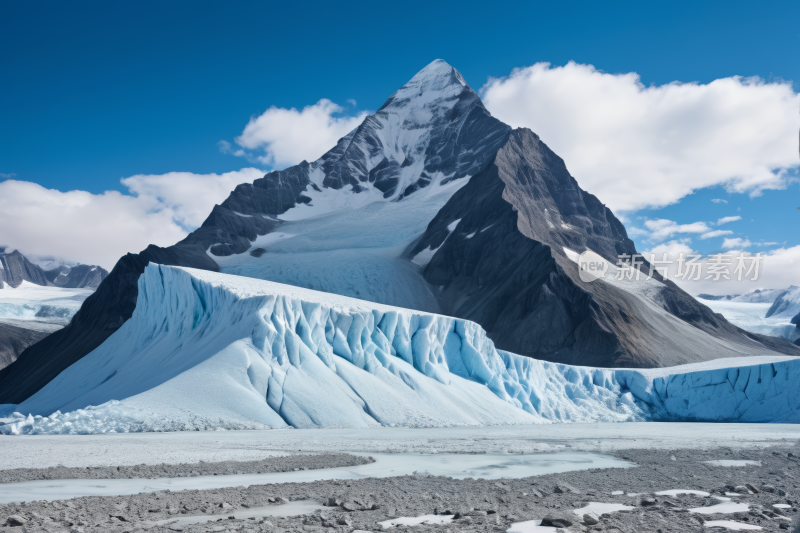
<point x="725" y="220"/>
<point x="716" y="233"/>
<point x="78" y="226"/>
<point x="635" y="146"/>
<point x="280" y="137"/>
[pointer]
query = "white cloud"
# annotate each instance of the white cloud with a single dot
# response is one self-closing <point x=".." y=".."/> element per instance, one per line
<point x="288" y="136"/>
<point x="78" y="226"/>
<point x="4" y="175"/>
<point x="636" y="146"/>
<point x="671" y="248"/>
<point x="737" y="243"/>
<point x="719" y="201"/>
<point x="725" y="220"/>
<point x="716" y="233"/>
<point x="663" y="228"/>
<point x="188" y="197"/>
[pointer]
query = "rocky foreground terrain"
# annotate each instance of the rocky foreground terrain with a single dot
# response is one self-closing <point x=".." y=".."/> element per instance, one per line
<point x="771" y="477"/>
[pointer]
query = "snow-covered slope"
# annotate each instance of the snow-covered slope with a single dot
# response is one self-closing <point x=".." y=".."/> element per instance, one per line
<point x="206" y="350"/>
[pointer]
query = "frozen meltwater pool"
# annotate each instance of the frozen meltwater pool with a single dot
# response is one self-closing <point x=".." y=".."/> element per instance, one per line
<point x="458" y="466"/>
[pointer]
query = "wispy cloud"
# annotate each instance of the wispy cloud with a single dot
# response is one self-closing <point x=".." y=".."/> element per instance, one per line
<point x="719" y="201"/>
<point x="725" y="220"/>
<point x="4" y="175"/>
<point x="663" y="228"/>
<point x="716" y="233"/>
<point x="736" y="243"/>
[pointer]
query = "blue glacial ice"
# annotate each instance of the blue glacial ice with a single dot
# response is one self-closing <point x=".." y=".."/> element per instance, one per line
<point x="207" y="351"/>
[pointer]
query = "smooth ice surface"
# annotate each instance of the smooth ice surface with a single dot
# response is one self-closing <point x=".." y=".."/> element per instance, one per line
<point x="295" y="508"/>
<point x="42" y="451"/>
<point x="732" y="462"/>
<point x="598" y="508"/>
<point x="782" y="506"/>
<point x="730" y="524"/>
<point x="457" y="466"/>
<point x="417" y="520"/>
<point x="752" y="317"/>
<point x="531" y="526"/>
<point x="205" y="350"/>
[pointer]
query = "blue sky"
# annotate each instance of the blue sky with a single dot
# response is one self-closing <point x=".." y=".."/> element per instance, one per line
<point x="97" y="91"/>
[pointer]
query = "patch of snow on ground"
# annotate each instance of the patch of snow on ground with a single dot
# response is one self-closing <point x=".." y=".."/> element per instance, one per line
<point x="598" y="508"/>
<point x="428" y="519"/>
<point x="456" y="466"/>
<point x="531" y="526"/>
<point x="722" y="508"/>
<point x="732" y="462"/>
<point x="782" y="506"/>
<point x="294" y="508"/>
<point x="678" y="492"/>
<point x="730" y="524"/>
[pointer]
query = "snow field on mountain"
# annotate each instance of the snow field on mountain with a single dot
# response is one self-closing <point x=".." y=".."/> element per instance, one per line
<point x="212" y="351"/>
<point x="355" y="251"/>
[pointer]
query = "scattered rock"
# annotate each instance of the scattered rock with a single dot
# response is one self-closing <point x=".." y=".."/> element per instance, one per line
<point x="557" y="520"/>
<point x="564" y="488"/>
<point x="15" y="520"/>
<point x="590" y="520"/>
<point x="648" y="501"/>
<point x="752" y="488"/>
<point x="768" y="488"/>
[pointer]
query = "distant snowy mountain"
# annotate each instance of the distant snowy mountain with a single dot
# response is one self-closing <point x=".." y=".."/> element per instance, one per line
<point x="757" y="296"/>
<point x="15" y="268"/>
<point x="30" y="308"/>
<point x="213" y="351"/>
<point x="77" y="277"/>
<point x="430" y="204"/>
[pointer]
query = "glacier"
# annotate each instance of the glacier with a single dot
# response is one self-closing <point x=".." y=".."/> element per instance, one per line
<point x="756" y="317"/>
<point x="207" y="351"/>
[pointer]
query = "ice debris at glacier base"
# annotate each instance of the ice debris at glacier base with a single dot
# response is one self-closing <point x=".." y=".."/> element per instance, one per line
<point x="213" y="351"/>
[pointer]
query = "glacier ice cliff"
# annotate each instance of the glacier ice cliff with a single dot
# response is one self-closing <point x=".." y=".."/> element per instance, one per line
<point x="205" y="350"/>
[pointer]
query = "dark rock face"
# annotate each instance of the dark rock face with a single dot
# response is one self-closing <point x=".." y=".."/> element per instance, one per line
<point x="16" y="269"/>
<point x="78" y="277"/>
<point x="14" y="339"/>
<point x="504" y="267"/>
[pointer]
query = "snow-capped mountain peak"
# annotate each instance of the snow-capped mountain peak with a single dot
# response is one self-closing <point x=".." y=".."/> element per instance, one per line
<point x="434" y="129"/>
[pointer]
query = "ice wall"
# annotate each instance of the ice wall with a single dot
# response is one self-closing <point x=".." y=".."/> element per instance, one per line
<point x="212" y="351"/>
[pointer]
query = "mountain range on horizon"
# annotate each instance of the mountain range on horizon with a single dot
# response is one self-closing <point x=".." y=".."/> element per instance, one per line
<point x="430" y="204"/>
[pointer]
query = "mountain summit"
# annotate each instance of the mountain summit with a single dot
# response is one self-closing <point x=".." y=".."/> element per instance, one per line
<point x="430" y="204"/>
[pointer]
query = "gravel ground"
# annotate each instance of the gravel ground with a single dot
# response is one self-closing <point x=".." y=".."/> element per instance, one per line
<point x="478" y="505"/>
<point x="270" y="464"/>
